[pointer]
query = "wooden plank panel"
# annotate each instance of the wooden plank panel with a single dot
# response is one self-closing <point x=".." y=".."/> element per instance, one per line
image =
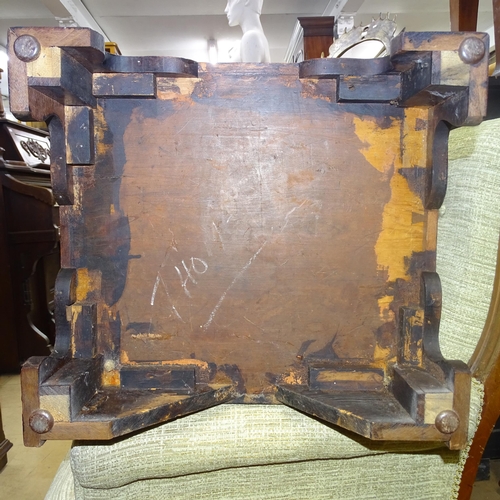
<point x="251" y="219"/>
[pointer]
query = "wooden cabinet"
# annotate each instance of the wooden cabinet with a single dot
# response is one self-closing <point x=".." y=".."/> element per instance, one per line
<point x="29" y="248"/>
<point x="312" y="37"/>
<point x="318" y="36"/>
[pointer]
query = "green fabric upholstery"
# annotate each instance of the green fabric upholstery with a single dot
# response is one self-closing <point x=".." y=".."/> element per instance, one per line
<point x="224" y="437"/>
<point x="273" y="452"/>
<point x="469" y="225"/>
<point x="258" y="452"/>
<point x="63" y="485"/>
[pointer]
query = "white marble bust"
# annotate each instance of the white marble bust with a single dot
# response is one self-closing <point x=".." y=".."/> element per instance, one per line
<point x="246" y="13"/>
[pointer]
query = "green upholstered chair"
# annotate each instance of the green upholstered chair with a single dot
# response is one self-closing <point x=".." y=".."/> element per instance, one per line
<point x="274" y="452"/>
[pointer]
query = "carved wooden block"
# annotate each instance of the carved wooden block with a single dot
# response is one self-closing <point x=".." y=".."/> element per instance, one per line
<point x="248" y="234"/>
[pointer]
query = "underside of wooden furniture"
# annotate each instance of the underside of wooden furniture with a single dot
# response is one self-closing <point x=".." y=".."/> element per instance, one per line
<point x="248" y="234"/>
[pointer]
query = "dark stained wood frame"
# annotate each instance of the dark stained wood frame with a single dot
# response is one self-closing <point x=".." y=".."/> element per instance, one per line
<point x="103" y="381"/>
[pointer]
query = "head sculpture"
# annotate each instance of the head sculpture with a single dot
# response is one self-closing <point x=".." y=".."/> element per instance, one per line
<point x="235" y="10"/>
<point x="246" y="13"/>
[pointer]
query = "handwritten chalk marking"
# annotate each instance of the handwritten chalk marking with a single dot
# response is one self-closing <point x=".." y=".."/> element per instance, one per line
<point x="190" y="277"/>
<point x="237" y="277"/>
<point x="155" y="288"/>
<point x="218" y="234"/>
<point x="170" y="300"/>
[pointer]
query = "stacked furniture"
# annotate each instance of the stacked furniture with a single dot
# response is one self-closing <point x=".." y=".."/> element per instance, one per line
<point x="29" y="244"/>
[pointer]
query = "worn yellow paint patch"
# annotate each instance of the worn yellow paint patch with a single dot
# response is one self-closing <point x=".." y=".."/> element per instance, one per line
<point x="175" y="88"/>
<point x="187" y="362"/>
<point x="431" y="226"/>
<point x="87" y="282"/>
<point x="381" y="353"/>
<point x="84" y="284"/>
<point x="124" y="359"/>
<point x="72" y="313"/>
<point x="384" y="303"/>
<point x="111" y="378"/>
<point x="403" y="220"/>
<point x="399" y="237"/>
<point x="295" y="376"/>
<point x="149" y="336"/>
<point x="382" y="145"/>
<point x="293" y="379"/>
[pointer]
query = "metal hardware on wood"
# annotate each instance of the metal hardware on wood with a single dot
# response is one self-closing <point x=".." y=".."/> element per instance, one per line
<point x="471" y="50"/>
<point x="41" y="421"/>
<point x="27" y="48"/>
<point x="447" y="422"/>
